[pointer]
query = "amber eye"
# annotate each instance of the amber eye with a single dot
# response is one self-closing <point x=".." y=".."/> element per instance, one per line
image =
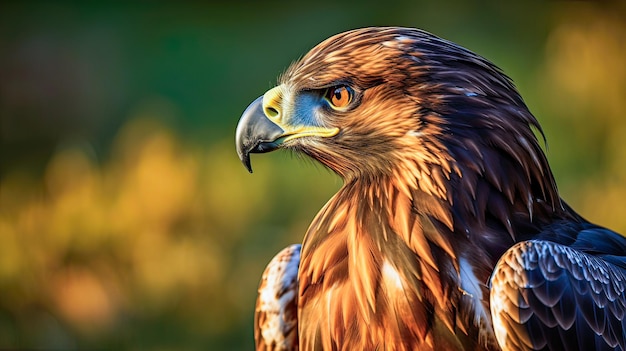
<point x="339" y="96"/>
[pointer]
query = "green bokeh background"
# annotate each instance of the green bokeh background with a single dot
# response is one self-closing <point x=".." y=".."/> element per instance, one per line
<point x="126" y="219"/>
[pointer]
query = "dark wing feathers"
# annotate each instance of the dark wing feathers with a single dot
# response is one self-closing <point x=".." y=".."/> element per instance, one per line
<point x="276" y="313"/>
<point x="549" y="296"/>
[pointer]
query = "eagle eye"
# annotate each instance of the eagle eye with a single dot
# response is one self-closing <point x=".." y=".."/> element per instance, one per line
<point x="339" y="96"/>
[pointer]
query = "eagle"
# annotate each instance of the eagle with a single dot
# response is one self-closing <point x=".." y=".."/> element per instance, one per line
<point x="448" y="232"/>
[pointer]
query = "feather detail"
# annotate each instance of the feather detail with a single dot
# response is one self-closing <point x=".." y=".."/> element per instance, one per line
<point x="275" y="317"/>
<point x="547" y="296"/>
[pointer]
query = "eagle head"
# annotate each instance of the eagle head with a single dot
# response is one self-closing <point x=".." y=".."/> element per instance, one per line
<point x="345" y="104"/>
<point x="376" y="103"/>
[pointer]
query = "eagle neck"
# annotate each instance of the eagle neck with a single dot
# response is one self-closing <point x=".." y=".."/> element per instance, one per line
<point x="375" y="237"/>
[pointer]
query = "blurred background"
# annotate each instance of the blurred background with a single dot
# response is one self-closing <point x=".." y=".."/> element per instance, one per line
<point x="126" y="219"/>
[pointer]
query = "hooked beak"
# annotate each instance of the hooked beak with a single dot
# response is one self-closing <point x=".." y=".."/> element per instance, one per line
<point x="256" y="133"/>
<point x="265" y="126"/>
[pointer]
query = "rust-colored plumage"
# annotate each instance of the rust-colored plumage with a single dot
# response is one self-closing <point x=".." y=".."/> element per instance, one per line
<point x="443" y="176"/>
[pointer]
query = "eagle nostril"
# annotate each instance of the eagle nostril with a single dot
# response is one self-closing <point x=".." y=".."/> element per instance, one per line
<point x="271" y="111"/>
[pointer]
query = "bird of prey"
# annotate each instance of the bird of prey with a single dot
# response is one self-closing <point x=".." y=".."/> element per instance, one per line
<point x="449" y="232"/>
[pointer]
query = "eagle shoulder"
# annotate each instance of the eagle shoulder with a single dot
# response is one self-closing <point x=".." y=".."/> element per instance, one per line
<point x="276" y="312"/>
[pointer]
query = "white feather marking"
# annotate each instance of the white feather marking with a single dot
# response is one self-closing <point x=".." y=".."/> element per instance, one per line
<point x="471" y="287"/>
<point x="391" y="275"/>
<point x="415" y="133"/>
<point x="278" y="292"/>
<point x="398" y="41"/>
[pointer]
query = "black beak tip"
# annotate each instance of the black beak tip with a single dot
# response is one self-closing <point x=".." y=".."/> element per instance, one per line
<point x="244" y="155"/>
<point x="245" y="159"/>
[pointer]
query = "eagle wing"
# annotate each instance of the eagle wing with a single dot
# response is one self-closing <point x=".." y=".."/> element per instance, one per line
<point x="276" y="312"/>
<point x="549" y="296"/>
